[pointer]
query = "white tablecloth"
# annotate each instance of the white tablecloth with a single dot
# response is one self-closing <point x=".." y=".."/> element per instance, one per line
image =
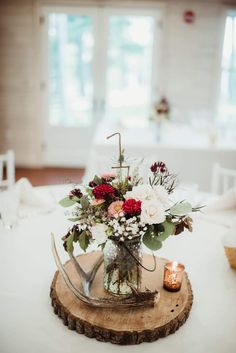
<point x="27" y="321"/>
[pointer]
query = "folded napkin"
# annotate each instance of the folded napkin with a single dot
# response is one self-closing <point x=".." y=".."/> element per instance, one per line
<point x="222" y="209"/>
<point x="32" y="200"/>
<point x="26" y="199"/>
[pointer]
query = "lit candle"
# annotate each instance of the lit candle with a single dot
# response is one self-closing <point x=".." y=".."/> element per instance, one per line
<point x="173" y="276"/>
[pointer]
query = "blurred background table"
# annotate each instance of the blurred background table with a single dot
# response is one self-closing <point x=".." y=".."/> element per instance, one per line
<point x="185" y="151"/>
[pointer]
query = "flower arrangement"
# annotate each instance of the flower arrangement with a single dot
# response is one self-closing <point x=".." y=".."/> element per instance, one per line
<point x="120" y="212"/>
<point x="127" y="209"/>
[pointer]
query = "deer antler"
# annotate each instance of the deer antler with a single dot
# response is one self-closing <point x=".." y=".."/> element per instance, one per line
<point x="137" y="298"/>
<point x="86" y="277"/>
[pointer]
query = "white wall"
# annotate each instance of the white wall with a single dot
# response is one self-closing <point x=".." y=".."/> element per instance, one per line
<point x="191" y="56"/>
<point x="19" y="122"/>
<point x="190" y="60"/>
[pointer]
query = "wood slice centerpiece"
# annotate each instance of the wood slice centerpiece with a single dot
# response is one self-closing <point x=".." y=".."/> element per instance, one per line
<point x="126" y="325"/>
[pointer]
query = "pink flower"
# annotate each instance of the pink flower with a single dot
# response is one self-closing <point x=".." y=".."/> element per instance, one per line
<point x="108" y="175"/>
<point x="115" y="209"/>
<point x="97" y="202"/>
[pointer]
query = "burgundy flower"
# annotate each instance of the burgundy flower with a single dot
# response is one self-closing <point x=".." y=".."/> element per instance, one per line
<point x="76" y="193"/>
<point x="158" y="167"/>
<point x="162" y="167"/>
<point x="92" y="184"/>
<point x="103" y="191"/>
<point x="132" y="207"/>
<point x="154" y="167"/>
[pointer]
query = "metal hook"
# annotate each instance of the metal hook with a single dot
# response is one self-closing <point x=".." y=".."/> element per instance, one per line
<point x="121" y="156"/>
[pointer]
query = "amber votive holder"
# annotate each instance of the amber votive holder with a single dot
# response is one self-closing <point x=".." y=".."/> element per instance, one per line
<point x="173" y="276"/>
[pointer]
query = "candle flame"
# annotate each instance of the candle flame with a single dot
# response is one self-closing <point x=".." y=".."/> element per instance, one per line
<point x="175" y="264"/>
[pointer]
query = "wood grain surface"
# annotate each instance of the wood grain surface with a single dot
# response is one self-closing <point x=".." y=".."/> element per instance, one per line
<point x="125" y="326"/>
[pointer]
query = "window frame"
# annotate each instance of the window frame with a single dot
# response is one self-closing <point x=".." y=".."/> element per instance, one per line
<point x="221" y="122"/>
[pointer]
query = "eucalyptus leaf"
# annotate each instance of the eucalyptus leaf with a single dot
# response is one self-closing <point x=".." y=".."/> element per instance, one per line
<point x="75" y="219"/>
<point x="89" y="191"/>
<point x="97" y="180"/>
<point x="69" y="243"/>
<point x="84" y="201"/>
<point x="158" y="228"/>
<point x="169" y="229"/>
<point x="181" y="209"/>
<point x="67" y="202"/>
<point x="151" y="241"/>
<point x="75" y="198"/>
<point x="83" y="240"/>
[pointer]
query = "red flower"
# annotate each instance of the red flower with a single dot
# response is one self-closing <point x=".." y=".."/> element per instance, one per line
<point x="103" y="191"/>
<point x="132" y="207"/>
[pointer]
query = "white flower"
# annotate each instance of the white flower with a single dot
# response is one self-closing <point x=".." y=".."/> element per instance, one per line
<point x="162" y="195"/>
<point x="99" y="233"/>
<point x="141" y="192"/>
<point x="152" y="212"/>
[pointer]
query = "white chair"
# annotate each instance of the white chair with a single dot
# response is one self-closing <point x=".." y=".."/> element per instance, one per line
<point x="222" y="179"/>
<point x="7" y="161"/>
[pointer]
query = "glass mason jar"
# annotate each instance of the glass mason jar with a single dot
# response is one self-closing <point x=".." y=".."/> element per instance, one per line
<point x="121" y="270"/>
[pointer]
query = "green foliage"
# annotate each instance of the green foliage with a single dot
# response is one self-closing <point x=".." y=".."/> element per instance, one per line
<point x="83" y="240"/>
<point x="67" y="202"/>
<point x="102" y="245"/>
<point x="121" y="186"/>
<point x="75" y="219"/>
<point x="181" y="209"/>
<point x="97" y="180"/>
<point x="158" y="233"/>
<point x="69" y="243"/>
<point x="168" y="229"/>
<point x="84" y="201"/>
<point x="150" y="239"/>
<point x="89" y="191"/>
<point x="158" y="228"/>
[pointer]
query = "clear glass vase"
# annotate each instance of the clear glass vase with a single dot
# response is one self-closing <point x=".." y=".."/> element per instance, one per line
<point x="121" y="269"/>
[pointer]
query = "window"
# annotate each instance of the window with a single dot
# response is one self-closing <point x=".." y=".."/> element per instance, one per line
<point x="227" y="109"/>
<point x="100" y="64"/>
<point x="128" y="86"/>
<point x="70" y="69"/>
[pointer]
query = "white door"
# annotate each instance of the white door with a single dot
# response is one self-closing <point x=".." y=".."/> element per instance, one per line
<point x="131" y="67"/>
<point x="97" y="63"/>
